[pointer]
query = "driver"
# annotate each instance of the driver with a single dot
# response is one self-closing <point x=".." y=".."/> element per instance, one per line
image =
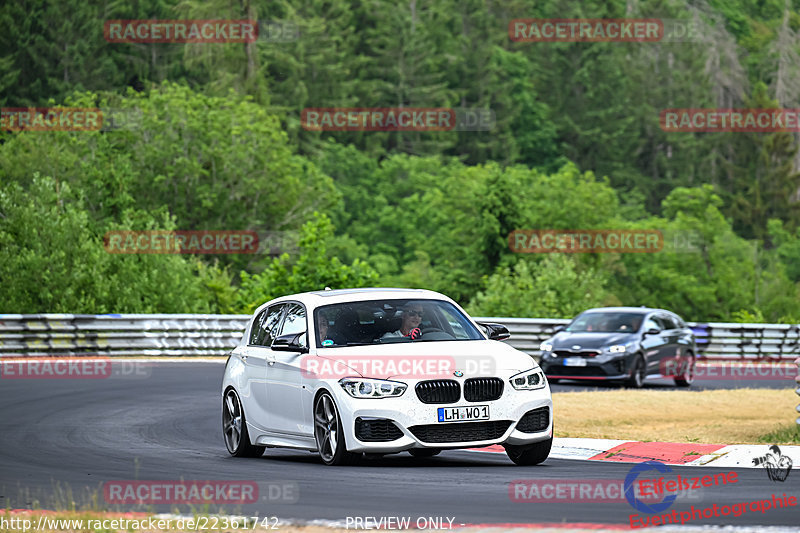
<point x="412" y="318"/>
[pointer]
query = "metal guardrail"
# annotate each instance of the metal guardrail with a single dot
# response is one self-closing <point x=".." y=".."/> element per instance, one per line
<point x="119" y="335"/>
<point x="194" y="335"/>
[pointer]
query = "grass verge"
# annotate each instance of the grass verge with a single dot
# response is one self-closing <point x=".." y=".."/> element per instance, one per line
<point x="739" y="416"/>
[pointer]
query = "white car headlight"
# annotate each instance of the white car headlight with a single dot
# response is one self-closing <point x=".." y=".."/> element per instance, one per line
<point x="617" y="348"/>
<point x="372" y="388"/>
<point x="546" y="347"/>
<point x="529" y="380"/>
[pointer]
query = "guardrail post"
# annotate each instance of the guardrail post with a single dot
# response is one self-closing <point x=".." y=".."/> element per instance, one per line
<point x="797" y="390"/>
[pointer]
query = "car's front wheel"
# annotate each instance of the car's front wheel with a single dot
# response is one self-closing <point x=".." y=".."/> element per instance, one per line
<point x="530" y="454"/>
<point x="329" y="433"/>
<point x="687" y="378"/>
<point x="234" y="428"/>
<point x="636" y="381"/>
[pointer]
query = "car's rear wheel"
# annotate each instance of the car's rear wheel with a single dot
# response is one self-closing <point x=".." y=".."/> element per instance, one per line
<point x="234" y="428"/>
<point x="687" y="378"/>
<point x="530" y="454"/>
<point x="636" y="381"/>
<point x="424" y="452"/>
<point x="329" y="433"/>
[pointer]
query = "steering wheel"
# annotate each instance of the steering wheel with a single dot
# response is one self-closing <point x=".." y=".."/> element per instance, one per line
<point x="436" y="334"/>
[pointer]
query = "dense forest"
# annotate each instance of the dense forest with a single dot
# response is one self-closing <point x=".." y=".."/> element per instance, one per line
<point x="210" y="138"/>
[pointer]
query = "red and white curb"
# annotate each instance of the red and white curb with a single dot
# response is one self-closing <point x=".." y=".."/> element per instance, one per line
<point x="671" y="453"/>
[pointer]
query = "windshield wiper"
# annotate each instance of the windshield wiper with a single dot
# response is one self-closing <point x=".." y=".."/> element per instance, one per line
<point x="360" y="344"/>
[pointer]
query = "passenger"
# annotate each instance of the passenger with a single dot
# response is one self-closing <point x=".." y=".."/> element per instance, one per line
<point x="322" y="330"/>
<point x="630" y="325"/>
<point x="412" y="318"/>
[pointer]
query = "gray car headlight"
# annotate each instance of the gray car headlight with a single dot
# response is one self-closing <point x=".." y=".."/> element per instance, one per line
<point x="372" y="388"/>
<point x="546" y="346"/>
<point x="529" y="380"/>
<point x="617" y="348"/>
<point x="620" y="348"/>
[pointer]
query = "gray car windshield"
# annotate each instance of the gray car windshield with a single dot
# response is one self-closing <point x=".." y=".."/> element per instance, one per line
<point x="389" y="322"/>
<point x="606" y="323"/>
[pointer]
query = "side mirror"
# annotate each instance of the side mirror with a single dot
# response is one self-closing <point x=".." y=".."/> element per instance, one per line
<point x="290" y="343"/>
<point x="558" y="329"/>
<point x="652" y="331"/>
<point x="496" y="332"/>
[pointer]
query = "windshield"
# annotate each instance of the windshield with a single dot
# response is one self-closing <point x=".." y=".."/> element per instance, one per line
<point x="391" y="321"/>
<point x="606" y="323"/>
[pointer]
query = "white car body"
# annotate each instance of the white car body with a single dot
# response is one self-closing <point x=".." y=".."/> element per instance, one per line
<point x="277" y="395"/>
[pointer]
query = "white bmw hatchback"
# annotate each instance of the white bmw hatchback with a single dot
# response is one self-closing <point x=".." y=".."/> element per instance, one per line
<point x="363" y="371"/>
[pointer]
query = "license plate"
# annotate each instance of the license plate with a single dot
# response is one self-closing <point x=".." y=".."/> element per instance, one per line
<point x="574" y="361"/>
<point x="459" y="414"/>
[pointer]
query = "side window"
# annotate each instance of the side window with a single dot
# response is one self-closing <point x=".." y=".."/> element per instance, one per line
<point x="264" y="327"/>
<point x="667" y="321"/>
<point x="295" y="321"/>
<point x="258" y="323"/>
<point x="651" y="324"/>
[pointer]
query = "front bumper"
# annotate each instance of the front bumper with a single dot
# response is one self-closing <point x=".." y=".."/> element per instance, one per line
<point x="418" y="422"/>
<point x="602" y="367"/>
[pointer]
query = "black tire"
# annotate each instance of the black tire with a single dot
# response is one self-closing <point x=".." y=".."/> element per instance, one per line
<point x="687" y="378"/>
<point x="234" y="428"/>
<point x="329" y="433"/>
<point x="531" y="454"/>
<point x="639" y="372"/>
<point x="424" y="452"/>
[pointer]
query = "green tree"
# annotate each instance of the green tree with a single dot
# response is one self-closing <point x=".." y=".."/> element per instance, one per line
<point x="313" y="270"/>
<point x="53" y="261"/>
<point x="556" y="287"/>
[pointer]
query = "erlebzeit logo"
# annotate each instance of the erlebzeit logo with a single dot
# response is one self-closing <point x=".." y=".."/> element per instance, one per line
<point x="777" y="465"/>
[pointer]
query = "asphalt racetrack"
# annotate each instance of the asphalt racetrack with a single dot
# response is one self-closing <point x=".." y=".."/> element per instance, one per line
<point x="62" y="439"/>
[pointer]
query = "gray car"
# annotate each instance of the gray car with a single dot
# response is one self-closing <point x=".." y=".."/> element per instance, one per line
<point x="621" y="344"/>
